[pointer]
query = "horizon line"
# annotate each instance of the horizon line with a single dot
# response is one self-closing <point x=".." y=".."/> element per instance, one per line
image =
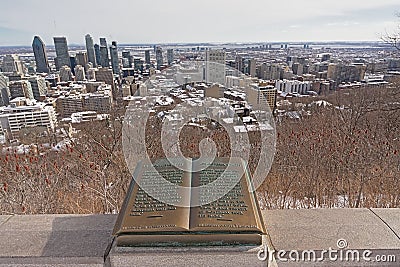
<point x="224" y="43"/>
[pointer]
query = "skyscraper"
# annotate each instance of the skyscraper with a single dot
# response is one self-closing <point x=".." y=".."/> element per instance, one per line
<point x="239" y="63"/>
<point x="215" y="66"/>
<point x="252" y="67"/>
<point x="21" y="88"/>
<point x="147" y="56"/>
<point x="4" y="96"/>
<point x="81" y="58"/>
<point x="114" y="57"/>
<point x="104" y="57"/>
<point x="129" y="59"/>
<point x="103" y="41"/>
<point x="72" y="60"/>
<point x="170" y="56"/>
<point x="90" y="50"/>
<point x="159" y="57"/>
<point x="39" y="50"/>
<point x="105" y="75"/>
<point x="97" y="54"/>
<point x="105" y="62"/>
<point x="4" y="90"/>
<point x="61" y="46"/>
<point x="11" y="63"/>
<point x="39" y="88"/>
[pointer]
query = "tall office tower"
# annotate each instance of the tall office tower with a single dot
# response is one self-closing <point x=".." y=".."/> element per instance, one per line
<point x="65" y="74"/>
<point x="215" y="66"/>
<point x="81" y="59"/>
<point x="39" y="88"/>
<point x="11" y="63"/>
<point x="105" y="75"/>
<point x="97" y="54"/>
<point x="114" y="57"/>
<point x="4" y="90"/>
<point x="72" y="60"/>
<point x="125" y="63"/>
<point x="61" y="46"/>
<point x="90" y="50"/>
<point x="147" y="56"/>
<point x="170" y="56"/>
<point x="127" y="55"/>
<point x="104" y="60"/>
<point x="252" y="67"/>
<point x="104" y="57"/>
<point x="3" y="81"/>
<point x="21" y="88"/>
<point x="39" y="50"/>
<point x="138" y="64"/>
<point x="159" y="57"/>
<point x="79" y="73"/>
<point x="4" y="96"/>
<point x="103" y="41"/>
<point x="239" y="63"/>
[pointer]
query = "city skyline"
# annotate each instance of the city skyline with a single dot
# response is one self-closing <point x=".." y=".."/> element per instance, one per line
<point x="178" y="21"/>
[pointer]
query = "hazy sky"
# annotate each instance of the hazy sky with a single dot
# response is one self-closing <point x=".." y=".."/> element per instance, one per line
<point x="161" y="21"/>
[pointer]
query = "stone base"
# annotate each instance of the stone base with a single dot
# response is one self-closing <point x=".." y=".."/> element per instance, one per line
<point x="185" y="256"/>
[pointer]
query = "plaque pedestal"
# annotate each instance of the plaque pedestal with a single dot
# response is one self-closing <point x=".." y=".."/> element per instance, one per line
<point x="190" y="256"/>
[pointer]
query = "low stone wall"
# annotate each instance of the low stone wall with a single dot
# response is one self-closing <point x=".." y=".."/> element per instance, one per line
<point x="85" y="240"/>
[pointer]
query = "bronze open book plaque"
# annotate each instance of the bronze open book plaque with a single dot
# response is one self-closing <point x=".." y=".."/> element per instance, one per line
<point x="233" y="219"/>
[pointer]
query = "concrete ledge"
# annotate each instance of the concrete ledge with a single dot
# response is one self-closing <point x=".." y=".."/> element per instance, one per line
<point x="4" y="218"/>
<point x="63" y="240"/>
<point x="85" y="240"/>
<point x="391" y="217"/>
<point x="322" y="228"/>
<point x="189" y="256"/>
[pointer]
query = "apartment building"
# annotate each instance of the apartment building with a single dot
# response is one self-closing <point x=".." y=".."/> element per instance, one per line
<point x="23" y="113"/>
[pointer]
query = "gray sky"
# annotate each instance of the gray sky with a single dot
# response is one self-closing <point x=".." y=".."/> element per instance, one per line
<point x="161" y="21"/>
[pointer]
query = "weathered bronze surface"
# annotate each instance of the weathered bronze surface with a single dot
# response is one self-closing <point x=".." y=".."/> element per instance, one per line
<point x="232" y="219"/>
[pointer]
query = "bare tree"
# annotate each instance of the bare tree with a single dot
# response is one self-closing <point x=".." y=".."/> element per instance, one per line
<point x="393" y="38"/>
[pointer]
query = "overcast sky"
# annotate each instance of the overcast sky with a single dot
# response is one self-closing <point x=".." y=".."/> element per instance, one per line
<point x="163" y="21"/>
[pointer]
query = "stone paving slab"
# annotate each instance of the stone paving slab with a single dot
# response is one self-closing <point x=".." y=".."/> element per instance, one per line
<point x="56" y="239"/>
<point x="4" y="218"/>
<point x="391" y="217"/>
<point x="49" y="262"/>
<point x="320" y="229"/>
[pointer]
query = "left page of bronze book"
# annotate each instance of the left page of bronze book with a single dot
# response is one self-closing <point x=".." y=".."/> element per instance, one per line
<point x="144" y="209"/>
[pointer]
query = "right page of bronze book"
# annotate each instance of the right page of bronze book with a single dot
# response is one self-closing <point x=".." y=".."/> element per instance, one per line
<point x="235" y="212"/>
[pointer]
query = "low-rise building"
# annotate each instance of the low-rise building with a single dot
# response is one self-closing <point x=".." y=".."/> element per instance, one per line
<point x="73" y="102"/>
<point x="21" y="88"/>
<point x="293" y="86"/>
<point x="258" y="95"/>
<point x="23" y="113"/>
